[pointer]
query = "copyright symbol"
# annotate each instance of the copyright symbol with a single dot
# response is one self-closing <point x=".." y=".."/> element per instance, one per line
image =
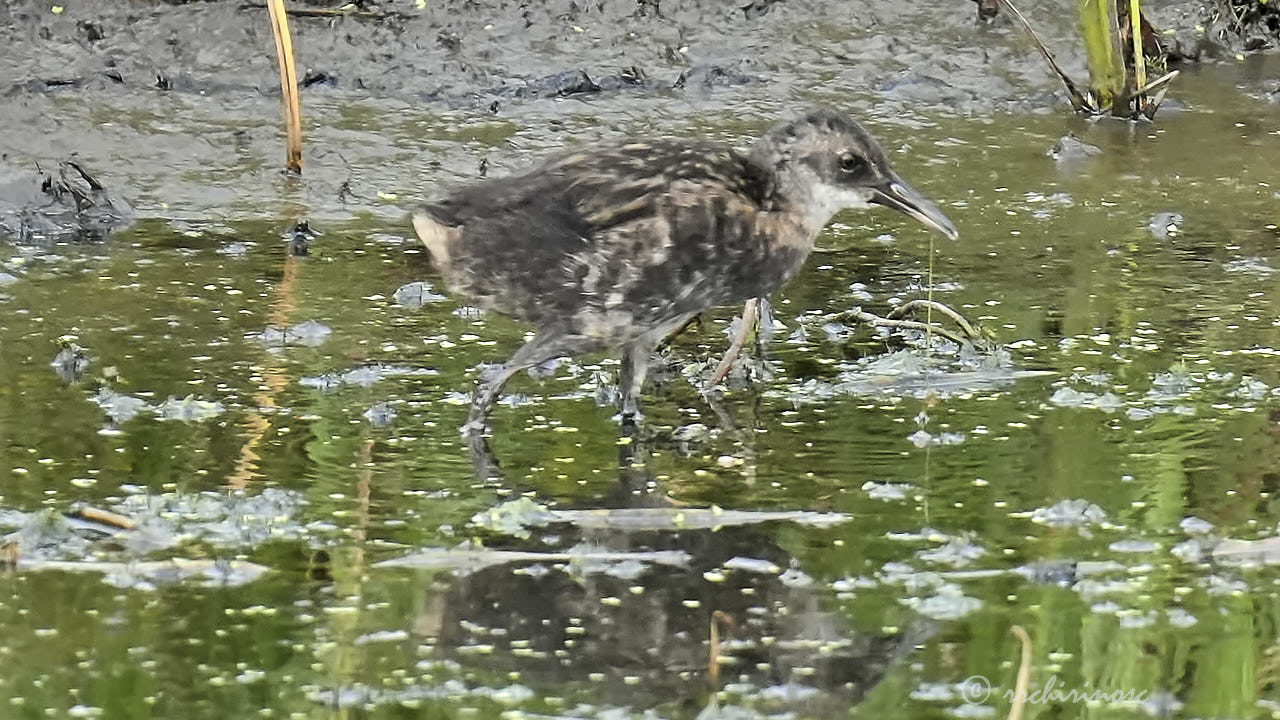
<point x="975" y="689"/>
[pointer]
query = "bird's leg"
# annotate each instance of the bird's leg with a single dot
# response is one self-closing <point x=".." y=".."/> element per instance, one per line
<point x="482" y="459"/>
<point x="487" y="395"/>
<point x="543" y="347"/>
<point x="750" y="316"/>
<point x="635" y="366"/>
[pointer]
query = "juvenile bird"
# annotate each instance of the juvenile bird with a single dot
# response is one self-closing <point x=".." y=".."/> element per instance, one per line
<point x="615" y="246"/>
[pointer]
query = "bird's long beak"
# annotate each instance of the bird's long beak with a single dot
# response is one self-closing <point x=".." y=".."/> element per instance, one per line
<point x="902" y="197"/>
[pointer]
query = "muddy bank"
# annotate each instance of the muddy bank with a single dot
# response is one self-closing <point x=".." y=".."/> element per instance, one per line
<point x="175" y="106"/>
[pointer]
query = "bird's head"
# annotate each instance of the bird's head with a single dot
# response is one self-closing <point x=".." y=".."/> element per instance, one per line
<point x="825" y="161"/>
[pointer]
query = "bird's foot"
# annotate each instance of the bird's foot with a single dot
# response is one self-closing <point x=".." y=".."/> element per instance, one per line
<point x="629" y="418"/>
<point x="482" y="459"/>
<point x="474" y="427"/>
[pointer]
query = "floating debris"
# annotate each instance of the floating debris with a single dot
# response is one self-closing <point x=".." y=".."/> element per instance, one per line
<point x="935" y="692"/>
<point x="6" y="279"/>
<point x="887" y="491"/>
<point x="1134" y="545"/>
<point x="1252" y="389"/>
<point x="858" y="291"/>
<point x="142" y="524"/>
<point x="120" y="408"/>
<point x="150" y="574"/>
<point x="514" y="517"/>
<point x="1170" y="386"/>
<point x="1251" y="265"/>
<point x="794" y="577"/>
<point x="1265" y="551"/>
<point x="189" y="409"/>
<point x="1195" y="526"/>
<point x="308" y="333"/>
<point x="225" y="520"/>
<point x="753" y="565"/>
<point x="236" y="250"/>
<point x="363" y="376"/>
<point x="1190" y="551"/>
<point x="1051" y="572"/>
<point x="950" y="603"/>
<point x="1068" y="397"/>
<point x="382" y="636"/>
<point x="380" y="414"/>
<point x="467" y="559"/>
<point x="957" y="552"/>
<point x="416" y="294"/>
<point x="1161" y="704"/>
<point x="1070" y="513"/>
<point x="1164" y="225"/>
<point x="907" y="374"/>
<point x="1070" y="148"/>
<point x="363" y="696"/>
<point x="922" y="438"/>
<point x="517" y="515"/>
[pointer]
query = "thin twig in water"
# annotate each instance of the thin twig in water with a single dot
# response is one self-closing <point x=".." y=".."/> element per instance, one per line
<point x="713" y="664"/>
<point x="1161" y="82"/>
<point x="1079" y="101"/>
<point x="862" y="316"/>
<point x="1024" y="674"/>
<point x="346" y="11"/>
<point x="104" y="517"/>
<point x="872" y="319"/>
<point x="956" y="317"/>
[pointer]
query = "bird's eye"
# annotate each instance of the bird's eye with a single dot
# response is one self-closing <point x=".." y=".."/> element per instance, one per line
<point x="850" y="163"/>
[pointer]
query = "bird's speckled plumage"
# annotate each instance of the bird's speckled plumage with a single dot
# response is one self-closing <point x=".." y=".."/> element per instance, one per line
<point x="605" y="244"/>
<point x="615" y="245"/>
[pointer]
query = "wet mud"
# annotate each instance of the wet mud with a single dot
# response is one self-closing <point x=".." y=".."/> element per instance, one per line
<point x="174" y="106"/>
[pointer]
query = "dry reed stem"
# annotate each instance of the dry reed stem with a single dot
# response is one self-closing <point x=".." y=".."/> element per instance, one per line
<point x="104" y="517"/>
<point x="713" y="663"/>
<point x="1139" y="58"/>
<point x="288" y="85"/>
<point x="1024" y="674"/>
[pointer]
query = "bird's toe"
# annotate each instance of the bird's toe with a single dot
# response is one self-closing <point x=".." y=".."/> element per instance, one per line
<point x="633" y="417"/>
<point x="473" y="428"/>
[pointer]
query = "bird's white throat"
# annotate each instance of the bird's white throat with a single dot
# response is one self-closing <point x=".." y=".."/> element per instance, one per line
<point x="826" y="200"/>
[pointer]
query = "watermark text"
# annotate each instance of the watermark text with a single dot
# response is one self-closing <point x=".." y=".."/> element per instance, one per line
<point x="976" y="690"/>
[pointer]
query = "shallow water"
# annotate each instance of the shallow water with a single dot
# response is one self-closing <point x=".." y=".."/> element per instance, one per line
<point x="1078" y="490"/>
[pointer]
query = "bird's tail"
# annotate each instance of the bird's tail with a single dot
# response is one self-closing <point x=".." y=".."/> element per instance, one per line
<point x="437" y="237"/>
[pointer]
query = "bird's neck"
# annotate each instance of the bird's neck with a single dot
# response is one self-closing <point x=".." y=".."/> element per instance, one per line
<point x="808" y="212"/>
<point x="795" y="192"/>
<point x="792" y="227"/>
